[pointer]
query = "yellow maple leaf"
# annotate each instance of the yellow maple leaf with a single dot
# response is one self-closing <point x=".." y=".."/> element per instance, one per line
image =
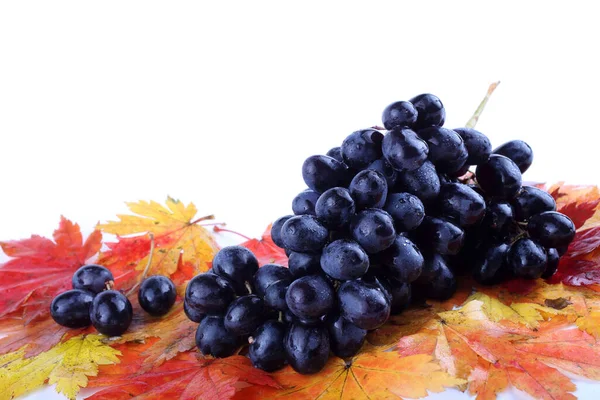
<point x="67" y="365"/>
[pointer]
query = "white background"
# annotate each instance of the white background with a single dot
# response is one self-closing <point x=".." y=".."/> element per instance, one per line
<point x="219" y="103"/>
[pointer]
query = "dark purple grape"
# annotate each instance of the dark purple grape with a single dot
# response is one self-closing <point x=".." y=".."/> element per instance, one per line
<point x="321" y="173"/>
<point x="406" y="210"/>
<point x="304" y="233"/>
<point x="212" y="338"/>
<point x="275" y="295"/>
<point x="433" y="264"/>
<point x="276" y="230"/>
<point x="361" y="148"/>
<point x="111" y="313"/>
<point x="209" y="294"/>
<point x="307" y="348"/>
<point x="245" y="314"/>
<point x="531" y="201"/>
<point x="430" y="110"/>
<point x="498" y="219"/>
<point x="335" y="207"/>
<point x="478" y="145"/>
<point x="92" y="278"/>
<point x="437" y="235"/>
<point x="266" y="351"/>
<point x="398" y="115"/>
<point x="192" y="314"/>
<point x="518" y="151"/>
<point x="551" y="229"/>
<point x="269" y="274"/>
<point x="310" y="296"/>
<point x="446" y="149"/>
<point x="335" y="153"/>
<point x="403" y="260"/>
<point x="344" y="260"/>
<point x="373" y="229"/>
<point x="345" y="338"/>
<point x="404" y="150"/>
<point x="527" y="259"/>
<point x="72" y="308"/>
<point x="499" y="177"/>
<point x="488" y="263"/>
<point x="363" y="304"/>
<point x="157" y="295"/>
<point x="423" y="182"/>
<point x="236" y="263"/>
<point x="384" y="167"/>
<point x="368" y="189"/>
<point x="442" y="286"/>
<point x="304" y="202"/>
<point x="302" y="264"/>
<point x="401" y="296"/>
<point x="553" y="259"/>
<point x="460" y="204"/>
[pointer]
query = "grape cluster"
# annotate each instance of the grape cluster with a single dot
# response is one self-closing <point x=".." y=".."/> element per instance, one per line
<point x="387" y="220"/>
<point x="92" y="301"/>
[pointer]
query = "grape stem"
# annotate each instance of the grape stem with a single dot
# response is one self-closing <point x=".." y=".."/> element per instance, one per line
<point x="146" y="269"/>
<point x="473" y="121"/>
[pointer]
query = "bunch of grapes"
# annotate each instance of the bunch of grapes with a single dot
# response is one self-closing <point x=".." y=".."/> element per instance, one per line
<point x="387" y="219"/>
<point x="92" y="301"/>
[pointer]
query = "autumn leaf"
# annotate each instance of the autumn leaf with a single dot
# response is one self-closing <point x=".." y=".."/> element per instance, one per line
<point x="265" y="250"/>
<point x="68" y="365"/>
<point x="176" y="234"/>
<point x="184" y="377"/>
<point x="41" y="268"/>
<point x="372" y="374"/>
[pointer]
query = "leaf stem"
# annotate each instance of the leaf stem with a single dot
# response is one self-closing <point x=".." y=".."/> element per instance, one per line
<point x="146" y="269"/>
<point x="206" y="217"/>
<point x="217" y="229"/>
<point x="473" y="121"/>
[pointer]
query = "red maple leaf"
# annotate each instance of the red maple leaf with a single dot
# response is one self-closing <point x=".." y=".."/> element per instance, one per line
<point x="41" y="268"/>
<point x="265" y="250"/>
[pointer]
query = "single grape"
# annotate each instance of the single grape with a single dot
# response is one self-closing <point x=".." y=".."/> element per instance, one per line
<point x="192" y="314"/>
<point x="111" y="313"/>
<point x="363" y="304"/>
<point x="531" y="201"/>
<point x="477" y="144"/>
<point x="361" y="148"/>
<point x="92" y="278"/>
<point x="373" y="229"/>
<point x="275" y="295"/>
<point x="551" y="229"/>
<point x="460" y="172"/>
<point x="377" y="276"/>
<point x="368" y="189"/>
<point x="404" y="150"/>
<point x="432" y="265"/>
<point x="345" y="338"/>
<point x="443" y="285"/>
<point x="290" y="318"/>
<point x="430" y="110"/>
<point x="335" y="153"/>
<point x="527" y="259"/>
<point x="499" y="177"/>
<point x="398" y="115"/>
<point x="553" y="259"/>
<point x="403" y="260"/>
<point x="237" y="264"/>
<point x="344" y="260"/>
<point x="304" y="202"/>
<point x="304" y="233"/>
<point x="335" y="207"/>
<point x="439" y="236"/>
<point x="157" y="295"/>
<point x="310" y="296"/>
<point x="266" y="350"/>
<point x="477" y="189"/>
<point x="446" y="149"/>
<point x="562" y="250"/>
<point x="72" y="308"/>
<point x="518" y="151"/>
<point x="460" y="204"/>
<point x="406" y="210"/>
<point x="245" y="314"/>
<point x="307" y="348"/>
<point x="209" y="294"/>
<point x="212" y="338"/>
<point x="498" y="219"/>
<point x="301" y="264"/>
<point x="384" y="167"/>
<point x="488" y="263"/>
<point x="401" y="296"/>
<point x="269" y="274"/>
<point x="322" y="172"/>
<point x="423" y="182"/>
<point x="276" y="230"/>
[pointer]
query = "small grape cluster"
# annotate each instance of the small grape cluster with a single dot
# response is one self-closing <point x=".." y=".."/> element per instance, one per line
<point x="387" y="220"/>
<point x="92" y="301"/>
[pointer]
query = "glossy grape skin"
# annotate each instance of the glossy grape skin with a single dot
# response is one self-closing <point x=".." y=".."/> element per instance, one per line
<point x="460" y="204"/>
<point x="406" y="210"/>
<point x="322" y="172"/>
<point x="384" y="167"/>
<point x="335" y="153"/>
<point x="304" y="202"/>
<point x="344" y="260"/>
<point x="488" y="263"/>
<point x="307" y="348"/>
<point x="276" y="230"/>
<point x="477" y="144"/>
<point x="430" y="111"/>
<point x="345" y="338"/>
<point x="432" y="265"/>
<point x="551" y="229"/>
<point x="236" y="263"/>
<point x="212" y="338"/>
<point x="302" y="264"/>
<point x="423" y="182"/>
<point x="399" y="114"/>
<point x="404" y="150"/>
<point x="192" y="314"/>
<point x="518" y="151"/>
<point x="310" y="297"/>
<point x="363" y="304"/>
<point x="446" y="149"/>
<point x="553" y="258"/>
<point x="269" y="274"/>
<point x="531" y="201"/>
<point x="72" y="308"/>
<point x="209" y="294"/>
<point x="304" y="233"/>
<point x="401" y="296"/>
<point x="361" y="148"/>
<point x="275" y="295"/>
<point x="157" y="295"/>
<point x="369" y="189"/>
<point x="335" y="207"/>
<point x="498" y="219"/>
<point x="245" y="314"/>
<point x="443" y="285"/>
<point x="499" y="177"/>
<point x="403" y="260"/>
<point x="439" y="236"/>
<point x="527" y="259"/>
<point x="373" y="229"/>
<point x="266" y="351"/>
<point x="92" y="278"/>
<point x="290" y="318"/>
<point x="111" y="313"/>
